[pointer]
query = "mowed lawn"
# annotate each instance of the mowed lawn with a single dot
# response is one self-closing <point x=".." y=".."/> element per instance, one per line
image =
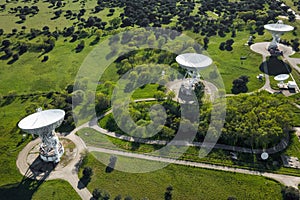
<point x="229" y="63"/>
<point x="188" y="182"/>
<point x="55" y="189"/>
<point x="28" y="189"/>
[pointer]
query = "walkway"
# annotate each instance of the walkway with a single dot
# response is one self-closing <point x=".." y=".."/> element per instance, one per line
<point x="284" y="179"/>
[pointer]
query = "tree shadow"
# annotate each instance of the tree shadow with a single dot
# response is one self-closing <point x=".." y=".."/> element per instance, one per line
<point x="20" y="22"/>
<point x="135" y="146"/>
<point x="34" y="177"/>
<point x="5" y="57"/>
<point x="273" y="66"/>
<point x="55" y="17"/>
<point x="95" y="41"/>
<point x="112" y="163"/>
<point x="12" y="61"/>
<point x="83" y="182"/>
<point x="8" y="100"/>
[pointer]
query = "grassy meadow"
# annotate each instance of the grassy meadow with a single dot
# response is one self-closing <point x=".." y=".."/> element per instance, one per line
<point x="187" y="182"/>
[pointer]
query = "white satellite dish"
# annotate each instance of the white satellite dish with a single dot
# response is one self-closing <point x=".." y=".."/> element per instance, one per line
<point x="43" y="124"/>
<point x="193" y="61"/>
<point x="264" y="156"/>
<point x="281" y="77"/>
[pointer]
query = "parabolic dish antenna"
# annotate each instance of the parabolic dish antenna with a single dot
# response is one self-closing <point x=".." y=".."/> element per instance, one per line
<point x="264" y="156"/>
<point x="41" y="119"/>
<point x="281" y="77"/>
<point x="277" y="30"/>
<point x="193" y="61"/>
<point x="278" y="27"/>
<point x="43" y="123"/>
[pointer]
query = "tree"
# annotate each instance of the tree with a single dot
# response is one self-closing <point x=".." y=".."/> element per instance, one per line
<point x="87" y="172"/>
<point x="8" y="52"/>
<point x="102" y="102"/>
<point x="115" y="22"/>
<point x="168" y="193"/>
<point x="16" y="56"/>
<point x="57" y="13"/>
<point x="159" y="95"/>
<point x="90" y="22"/>
<point x="6" y="43"/>
<point x="22" y="49"/>
<point x="119" y="197"/>
<point x="222" y="46"/>
<point x="240" y="85"/>
<point x="80" y="46"/>
<point x="231" y="198"/>
<point x="170" y="95"/>
<point x="96" y="193"/>
<point x="295" y="44"/>
<point x="233" y="33"/>
<point x="100" y="194"/>
<point x="45" y="58"/>
<point x="290" y="193"/>
<point x="22" y="17"/>
<point x="205" y="41"/>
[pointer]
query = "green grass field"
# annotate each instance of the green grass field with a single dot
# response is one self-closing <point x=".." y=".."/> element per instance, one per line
<point x="28" y="189"/>
<point x="229" y="64"/>
<point x="47" y="13"/>
<point x="55" y="189"/>
<point x="188" y="182"/>
<point x="216" y="156"/>
<point x="29" y="75"/>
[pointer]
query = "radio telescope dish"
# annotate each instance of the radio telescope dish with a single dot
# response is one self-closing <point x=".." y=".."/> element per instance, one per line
<point x="277" y="30"/>
<point x="278" y="27"/>
<point x="193" y="61"/>
<point x="281" y="77"/>
<point x="40" y="119"/>
<point x="43" y="124"/>
<point x="264" y="156"/>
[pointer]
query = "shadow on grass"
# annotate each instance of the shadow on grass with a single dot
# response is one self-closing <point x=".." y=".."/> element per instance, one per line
<point x="95" y="41"/>
<point x="34" y="177"/>
<point x="273" y="66"/>
<point x="12" y="61"/>
<point x="5" y="57"/>
<point x="112" y="163"/>
<point x="83" y="182"/>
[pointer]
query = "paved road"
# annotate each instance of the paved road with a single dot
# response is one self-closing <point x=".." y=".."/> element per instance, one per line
<point x="284" y="179"/>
